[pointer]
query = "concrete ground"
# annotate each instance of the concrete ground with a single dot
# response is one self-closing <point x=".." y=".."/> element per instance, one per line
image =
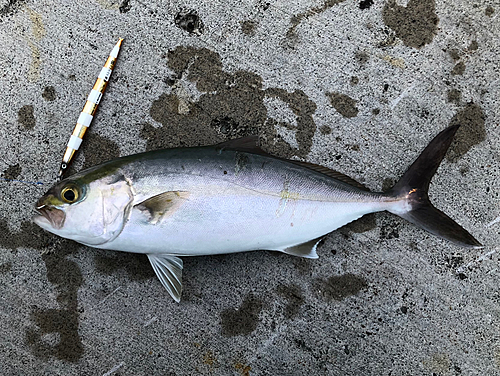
<point x="358" y="86"/>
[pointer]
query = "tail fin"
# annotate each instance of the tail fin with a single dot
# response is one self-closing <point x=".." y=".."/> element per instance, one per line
<point x="414" y="185"/>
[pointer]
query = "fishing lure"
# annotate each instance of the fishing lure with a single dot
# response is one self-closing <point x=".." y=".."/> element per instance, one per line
<point x="89" y="109"/>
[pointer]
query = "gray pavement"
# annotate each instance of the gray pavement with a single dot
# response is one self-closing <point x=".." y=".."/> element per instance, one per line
<point x="358" y="86"/>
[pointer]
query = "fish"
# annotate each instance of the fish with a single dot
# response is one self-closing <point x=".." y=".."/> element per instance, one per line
<point x="227" y="198"/>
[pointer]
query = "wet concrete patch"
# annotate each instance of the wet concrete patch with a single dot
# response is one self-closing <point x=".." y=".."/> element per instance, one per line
<point x="387" y="184"/>
<point x="340" y="287"/>
<point x="366" y="223"/>
<point x="241" y="321"/>
<point x="344" y="104"/>
<point x="63" y="322"/>
<point x="458" y="69"/>
<point x="26" y="117"/>
<point x="5" y="267"/>
<point x="473" y="46"/>
<point x="188" y="20"/>
<point x="12" y="172"/>
<point x="365" y="4"/>
<point x="136" y="266"/>
<point x="324" y="129"/>
<point x="230" y="105"/>
<point x="292" y="38"/>
<point x="454" y="54"/>
<point x="454" y="96"/>
<point x="29" y="236"/>
<point x="98" y="149"/>
<point x="362" y="57"/>
<point x="49" y="93"/>
<point x="10" y="7"/>
<point x="415" y="24"/>
<point x="125" y="6"/>
<point x="293" y="294"/>
<point x="95" y="150"/>
<point x="248" y="27"/>
<point x="472" y="130"/>
<point x="59" y="325"/>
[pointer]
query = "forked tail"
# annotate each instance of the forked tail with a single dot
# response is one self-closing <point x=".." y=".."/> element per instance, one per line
<point x="414" y="186"/>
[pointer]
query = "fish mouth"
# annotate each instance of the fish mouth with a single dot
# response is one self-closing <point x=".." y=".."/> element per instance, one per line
<point x="54" y="216"/>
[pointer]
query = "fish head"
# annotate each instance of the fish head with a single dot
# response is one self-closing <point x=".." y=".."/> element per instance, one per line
<point x="89" y="212"/>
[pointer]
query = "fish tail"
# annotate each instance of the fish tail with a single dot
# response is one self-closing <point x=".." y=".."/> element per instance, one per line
<point x="413" y="188"/>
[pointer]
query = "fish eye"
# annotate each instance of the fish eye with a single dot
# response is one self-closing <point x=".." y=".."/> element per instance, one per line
<point x="70" y="194"/>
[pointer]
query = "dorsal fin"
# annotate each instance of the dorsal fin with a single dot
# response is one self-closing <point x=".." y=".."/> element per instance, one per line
<point x="250" y="144"/>
<point x="331" y="173"/>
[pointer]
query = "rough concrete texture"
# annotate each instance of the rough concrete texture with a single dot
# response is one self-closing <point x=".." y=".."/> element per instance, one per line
<point x="358" y="86"/>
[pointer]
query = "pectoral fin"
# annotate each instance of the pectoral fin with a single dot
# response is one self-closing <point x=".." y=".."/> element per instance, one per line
<point x="168" y="269"/>
<point x="306" y="250"/>
<point x="159" y="206"/>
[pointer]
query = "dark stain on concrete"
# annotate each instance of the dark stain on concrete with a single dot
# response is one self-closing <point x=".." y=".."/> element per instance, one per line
<point x="365" y="4"/>
<point x="454" y="96"/>
<point x="98" y="149"/>
<point x="454" y="54"/>
<point x="241" y="321"/>
<point x="67" y="278"/>
<point x="458" y="69"/>
<point x="364" y="224"/>
<point x="387" y="184"/>
<point x="304" y="266"/>
<point x="188" y="20"/>
<point x="49" y="93"/>
<point x="125" y="6"/>
<point x="454" y="261"/>
<point x="5" y="267"/>
<point x="415" y="24"/>
<point x="489" y="11"/>
<point x="292" y="38"/>
<point x="362" y="57"/>
<point x="324" y="129"/>
<point x="11" y="7"/>
<point x="95" y="149"/>
<point x="136" y="266"/>
<point x="29" y="236"/>
<point x="231" y="105"/>
<point x="473" y="46"/>
<point x="248" y="27"/>
<point x="340" y="287"/>
<point x="472" y="131"/>
<point x="12" y="172"/>
<point x="26" y="117"/>
<point x="344" y="104"/>
<point x="293" y="294"/>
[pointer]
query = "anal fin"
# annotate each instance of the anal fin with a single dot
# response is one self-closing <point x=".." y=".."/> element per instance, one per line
<point x="168" y="269"/>
<point x="306" y="250"/>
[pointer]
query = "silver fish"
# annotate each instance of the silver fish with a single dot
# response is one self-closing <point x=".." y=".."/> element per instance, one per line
<point x="231" y="197"/>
